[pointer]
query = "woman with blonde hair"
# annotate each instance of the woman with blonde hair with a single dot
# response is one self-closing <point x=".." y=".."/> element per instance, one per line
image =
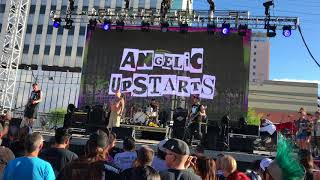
<point x="229" y="167"/>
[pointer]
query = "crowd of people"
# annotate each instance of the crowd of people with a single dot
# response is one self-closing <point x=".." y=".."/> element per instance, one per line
<point x="173" y="160"/>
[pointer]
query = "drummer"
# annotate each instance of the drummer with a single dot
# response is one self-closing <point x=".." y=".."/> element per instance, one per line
<point x="152" y="111"/>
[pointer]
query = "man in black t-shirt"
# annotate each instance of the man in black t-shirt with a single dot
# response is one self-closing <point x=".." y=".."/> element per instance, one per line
<point x="31" y="110"/>
<point x="196" y="116"/>
<point x="58" y="155"/>
<point x="178" y="159"/>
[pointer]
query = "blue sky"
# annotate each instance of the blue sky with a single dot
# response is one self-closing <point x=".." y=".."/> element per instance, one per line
<point x="289" y="59"/>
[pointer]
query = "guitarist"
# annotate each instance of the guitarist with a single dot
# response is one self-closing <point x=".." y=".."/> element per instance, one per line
<point x="31" y="110"/>
<point x="196" y="116"/>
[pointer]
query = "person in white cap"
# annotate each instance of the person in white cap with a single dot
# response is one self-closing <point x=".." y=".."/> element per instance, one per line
<point x="159" y="162"/>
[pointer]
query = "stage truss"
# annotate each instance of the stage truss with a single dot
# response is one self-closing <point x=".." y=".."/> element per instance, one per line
<point x="11" y="50"/>
<point x="177" y="17"/>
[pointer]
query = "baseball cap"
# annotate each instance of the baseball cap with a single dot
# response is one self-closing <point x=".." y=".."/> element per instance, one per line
<point x="160" y="145"/>
<point x="265" y="163"/>
<point x="177" y="146"/>
<point x="99" y="138"/>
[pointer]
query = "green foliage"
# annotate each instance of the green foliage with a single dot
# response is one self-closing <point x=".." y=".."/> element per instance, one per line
<point x="56" y="117"/>
<point x="253" y="118"/>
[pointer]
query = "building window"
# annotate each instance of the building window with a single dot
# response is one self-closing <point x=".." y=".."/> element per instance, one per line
<point x="63" y="9"/>
<point x="39" y="29"/>
<point x="26" y="49"/>
<point x="29" y="28"/>
<point x="255" y="46"/>
<point x="71" y="31"/>
<point x="254" y="60"/>
<point x="85" y="8"/>
<point x="82" y="30"/>
<point x="141" y="4"/>
<point x="36" y="49"/>
<point x="42" y="9"/>
<point x="153" y="4"/>
<point x="32" y="9"/>
<point x="253" y="66"/>
<point x="2" y="8"/>
<point x="119" y="3"/>
<point x="50" y="29"/>
<point x="0" y="27"/>
<point x="57" y="50"/>
<point x="46" y="50"/>
<point x="79" y="51"/>
<point x="255" y="53"/>
<point x="254" y="73"/>
<point x="60" y="31"/>
<point x="53" y="7"/>
<point x="68" y="51"/>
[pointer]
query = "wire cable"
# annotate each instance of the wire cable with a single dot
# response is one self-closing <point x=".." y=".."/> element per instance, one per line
<point x="305" y="44"/>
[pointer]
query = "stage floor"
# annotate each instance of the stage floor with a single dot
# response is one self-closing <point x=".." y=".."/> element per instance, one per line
<point x="80" y="140"/>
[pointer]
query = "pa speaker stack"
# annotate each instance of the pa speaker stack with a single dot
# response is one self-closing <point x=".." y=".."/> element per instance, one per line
<point x="123" y="132"/>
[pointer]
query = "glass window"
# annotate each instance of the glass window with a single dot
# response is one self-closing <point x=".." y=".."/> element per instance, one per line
<point x="141" y="4"/>
<point x="253" y="73"/>
<point x="79" y="51"/>
<point x="255" y="53"/>
<point x="0" y="27"/>
<point x="32" y="9"/>
<point x="50" y="29"/>
<point x="36" y="49"/>
<point x="108" y="3"/>
<point x="84" y="8"/>
<point x="46" y="50"/>
<point x="60" y="30"/>
<point x="29" y="28"/>
<point x="39" y="29"/>
<point x="42" y="9"/>
<point x="69" y="40"/>
<point x="48" y="39"/>
<point x="82" y="30"/>
<point x="57" y="50"/>
<point x="119" y="3"/>
<point x="2" y="8"/>
<point x="71" y="31"/>
<point x="68" y="51"/>
<point x="153" y="4"/>
<point x="63" y="9"/>
<point x="254" y="60"/>
<point x="53" y="7"/>
<point x="253" y="66"/>
<point x="26" y="49"/>
<point x="255" y="46"/>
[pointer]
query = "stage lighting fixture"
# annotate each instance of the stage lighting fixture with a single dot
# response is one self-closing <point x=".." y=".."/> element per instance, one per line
<point x="56" y="22"/>
<point x="211" y="28"/>
<point x="106" y="25"/>
<point x="71" y="5"/>
<point x="286" y="31"/>
<point x="271" y="31"/>
<point x="68" y="23"/>
<point x="164" y="26"/>
<point x="242" y="30"/>
<point x="184" y="27"/>
<point x="92" y="24"/>
<point x="267" y="7"/>
<point x="145" y="26"/>
<point x="119" y="25"/>
<point x="225" y="28"/>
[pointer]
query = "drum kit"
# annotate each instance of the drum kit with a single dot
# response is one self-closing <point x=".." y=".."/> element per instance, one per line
<point x="149" y="117"/>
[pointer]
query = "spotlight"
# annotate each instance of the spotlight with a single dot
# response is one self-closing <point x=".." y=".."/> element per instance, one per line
<point x="286" y="31"/>
<point x="225" y="29"/>
<point x="211" y="28"/>
<point x="164" y="26"/>
<point x="242" y="30"/>
<point x="184" y="27"/>
<point x="267" y="7"/>
<point x="106" y="25"/>
<point x="92" y="24"/>
<point x="56" y="22"/>
<point x="119" y="25"/>
<point x="145" y="26"/>
<point x="68" y="23"/>
<point x="271" y="31"/>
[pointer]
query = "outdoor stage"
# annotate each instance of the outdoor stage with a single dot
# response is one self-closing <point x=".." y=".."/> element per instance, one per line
<point x="78" y="141"/>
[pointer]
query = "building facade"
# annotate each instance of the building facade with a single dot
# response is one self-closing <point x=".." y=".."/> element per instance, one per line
<point x="282" y="100"/>
<point x="259" y="58"/>
<point x="46" y="49"/>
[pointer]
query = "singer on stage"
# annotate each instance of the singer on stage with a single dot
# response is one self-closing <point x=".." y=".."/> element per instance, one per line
<point x="117" y="107"/>
<point x="31" y="110"/>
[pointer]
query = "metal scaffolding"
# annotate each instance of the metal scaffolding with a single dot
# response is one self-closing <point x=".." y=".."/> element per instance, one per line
<point x="11" y="50"/>
<point x="176" y="17"/>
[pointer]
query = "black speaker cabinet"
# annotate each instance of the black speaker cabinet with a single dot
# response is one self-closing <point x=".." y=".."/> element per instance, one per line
<point x="242" y="143"/>
<point x="123" y="132"/>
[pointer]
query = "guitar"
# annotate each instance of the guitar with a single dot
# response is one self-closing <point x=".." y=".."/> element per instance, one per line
<point x="192" y="118"/>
